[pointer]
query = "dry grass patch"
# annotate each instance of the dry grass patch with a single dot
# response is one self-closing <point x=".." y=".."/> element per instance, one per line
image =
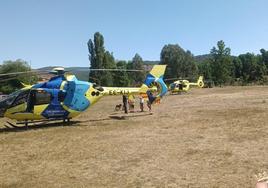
<point x="206" y="138"/>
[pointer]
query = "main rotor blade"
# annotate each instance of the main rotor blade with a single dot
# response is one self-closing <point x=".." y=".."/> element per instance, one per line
<point x="124" y="70"/>
<point x="7" y="79"/>
<point x="17" y="73"/>
<point x="172" y="79"/>
<point x="186" y="78"/>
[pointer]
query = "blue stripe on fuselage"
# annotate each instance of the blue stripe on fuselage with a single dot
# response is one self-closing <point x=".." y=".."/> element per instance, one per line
<point x="54" y="109"/>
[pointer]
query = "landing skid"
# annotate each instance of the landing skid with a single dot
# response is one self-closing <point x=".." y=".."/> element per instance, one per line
<point x="10" y="125"/>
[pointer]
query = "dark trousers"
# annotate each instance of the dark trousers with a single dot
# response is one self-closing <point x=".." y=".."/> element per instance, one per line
<point x="125" y="107"/>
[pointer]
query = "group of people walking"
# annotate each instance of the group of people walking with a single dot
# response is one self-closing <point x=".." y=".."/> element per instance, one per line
<point x="129" y="102"/>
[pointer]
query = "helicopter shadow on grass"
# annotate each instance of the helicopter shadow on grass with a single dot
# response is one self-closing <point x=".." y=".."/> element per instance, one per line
<point x="129" y="115"/>
<point x="44" y="125"/>
<point x="117" y="116"/>
<point x="179" y="93"/>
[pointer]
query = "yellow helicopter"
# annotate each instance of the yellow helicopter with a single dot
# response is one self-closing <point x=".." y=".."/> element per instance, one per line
<point x="64" y="97"/>
<point x="184" y="85"/>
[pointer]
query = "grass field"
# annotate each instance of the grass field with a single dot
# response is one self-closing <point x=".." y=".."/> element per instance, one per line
<point x="207" y="138"/>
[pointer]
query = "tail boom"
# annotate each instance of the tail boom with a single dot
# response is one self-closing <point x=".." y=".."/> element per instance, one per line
<point x="154" y="81"/>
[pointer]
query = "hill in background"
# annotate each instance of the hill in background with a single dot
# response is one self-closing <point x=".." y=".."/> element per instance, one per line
<point x="83" y="72"/>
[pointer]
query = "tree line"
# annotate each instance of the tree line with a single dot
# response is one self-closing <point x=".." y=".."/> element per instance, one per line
<point x="219" y="66"/>
<point x="9" y="84"/>
<point x="224" y="69"/>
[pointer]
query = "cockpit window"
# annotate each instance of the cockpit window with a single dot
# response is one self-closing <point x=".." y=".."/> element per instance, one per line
<point x="42" y="97"/>
<point x="11" y="98"/>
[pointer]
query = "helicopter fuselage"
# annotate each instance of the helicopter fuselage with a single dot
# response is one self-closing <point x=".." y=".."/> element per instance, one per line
<point x="61" y="97"/>
<point x="185" y="85"/>
<point x="65" y="97"/>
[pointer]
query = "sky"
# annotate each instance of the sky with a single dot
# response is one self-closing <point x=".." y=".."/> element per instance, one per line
<point x="56" y="32"/>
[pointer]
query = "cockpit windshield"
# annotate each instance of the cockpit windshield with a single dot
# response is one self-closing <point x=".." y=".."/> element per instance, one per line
<point x="10" y="98"/>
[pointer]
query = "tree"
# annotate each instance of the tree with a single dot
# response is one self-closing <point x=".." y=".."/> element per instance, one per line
<point x="253" y="69"/>
<point x="14" y="84"/>
<point x="204" y="69"/>
<point x="180" y="63"/>
<point x="100" y="59"/>
<point x="107" y="77"/>
<point x="238" y="67"/>
<point x="121" y="78"/>
<point x="96" y="55"/>
<point x="137" y="64"/>
<point x="221" y="63"/>
<point x="264" y="58"/>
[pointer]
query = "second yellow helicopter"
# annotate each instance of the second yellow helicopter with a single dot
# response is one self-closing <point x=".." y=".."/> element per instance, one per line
<point x="184" y="85"/>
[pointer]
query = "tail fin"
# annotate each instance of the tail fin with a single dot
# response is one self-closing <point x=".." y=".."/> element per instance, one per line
<point x="155" y="78"/>
<point x="200" y="82"/>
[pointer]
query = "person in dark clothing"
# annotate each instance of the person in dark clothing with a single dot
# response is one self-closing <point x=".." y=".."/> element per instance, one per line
<point x="151" y="99"/>
<point x="125" y="103"/>
<point x="141" y="102"/>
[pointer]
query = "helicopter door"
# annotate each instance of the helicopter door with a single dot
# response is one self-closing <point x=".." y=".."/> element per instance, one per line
<point x="38" y="97"/>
